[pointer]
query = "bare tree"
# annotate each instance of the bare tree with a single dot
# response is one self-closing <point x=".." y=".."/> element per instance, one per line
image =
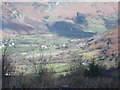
<point x="43" y="77"/>
<point x="6" y="63"/>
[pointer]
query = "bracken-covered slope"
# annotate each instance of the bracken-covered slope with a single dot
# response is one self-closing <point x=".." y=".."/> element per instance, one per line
<point x="108" y="46"/>
<point x="109" y="41"/>
<point x="27" y="18"/>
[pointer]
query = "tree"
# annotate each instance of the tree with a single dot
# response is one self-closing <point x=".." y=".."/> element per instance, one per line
<point x="7" y="68"/>
<point x="43" y="76"/>
<point x="93" y="70"/>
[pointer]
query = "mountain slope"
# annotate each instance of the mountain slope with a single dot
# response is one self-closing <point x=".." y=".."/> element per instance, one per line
<point x="27" y="18"/>
<point x="109" y="41"/>
<point x="108" y="47"/>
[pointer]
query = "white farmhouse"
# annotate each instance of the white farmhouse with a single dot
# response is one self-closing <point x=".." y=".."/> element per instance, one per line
<point x="7" y="74"/>
<point x="64" y="45"/>
<point x="43" y="47"/>
<point x="13" y="44"/>
<point x="3" y="45"/>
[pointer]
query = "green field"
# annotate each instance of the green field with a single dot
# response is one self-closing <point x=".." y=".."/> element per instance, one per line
<point x="30" y="44"/>
<point x="26" y="45"/>
<point x="95" y="25"/>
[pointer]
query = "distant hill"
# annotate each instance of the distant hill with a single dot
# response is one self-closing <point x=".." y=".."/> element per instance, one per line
<point x="27" y="18"/>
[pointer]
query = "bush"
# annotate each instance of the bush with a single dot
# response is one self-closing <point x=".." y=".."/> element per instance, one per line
<point x="93" y="70"/>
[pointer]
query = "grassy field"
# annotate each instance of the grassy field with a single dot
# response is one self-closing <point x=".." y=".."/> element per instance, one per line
<point x="59" y="68"/>
<point x="96" y="24"/>
<point x="30" y="44"/>
<point x="26" y="45"/>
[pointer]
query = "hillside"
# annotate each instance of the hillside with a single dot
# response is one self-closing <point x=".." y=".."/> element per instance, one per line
<point x="109" y="41"/>
<point x="108" y="47"/>
<point x="32" y="18"/>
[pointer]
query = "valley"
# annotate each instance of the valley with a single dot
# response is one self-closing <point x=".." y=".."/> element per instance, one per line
<point x="77" y="45"/>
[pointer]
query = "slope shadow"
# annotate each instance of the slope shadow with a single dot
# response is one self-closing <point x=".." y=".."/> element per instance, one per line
<point x="69" y="30"/>
<point x="14" y="26"/>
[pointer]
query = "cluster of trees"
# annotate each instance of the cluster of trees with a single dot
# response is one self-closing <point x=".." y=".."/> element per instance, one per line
<point x="82" y="77"/>
<point x="81" y="19"/>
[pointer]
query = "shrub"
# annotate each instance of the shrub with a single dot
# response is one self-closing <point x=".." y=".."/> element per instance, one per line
<point x="93" y="70"/>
